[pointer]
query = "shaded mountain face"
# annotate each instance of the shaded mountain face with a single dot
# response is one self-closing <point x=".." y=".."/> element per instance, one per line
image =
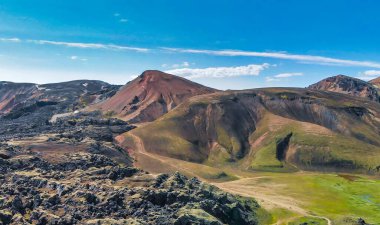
<point x="375" y="82"/>
<point x="268" y="129"/>
<point x="348" y="85"/>
<point x="151" y="95"/>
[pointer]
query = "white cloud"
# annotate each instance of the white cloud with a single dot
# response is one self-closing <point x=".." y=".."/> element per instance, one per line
<point x="177" y="65"/>
<point x="79" y="45"/>
<point x="116" y="14"/>
<point x="184" y="64"/>
<point x="88" y="45"/>
<point x="281" y="76"/>
<point x="372" y="73"/>
<point x="123" y="20"/>
<point x="280" y="55"/>
<point x="74" y="57"/>
<point x="10" y="39"/>
<point x="219" y="72"/>
<point x="369" y="75"/>
<point x="365" y="78"/>
<point x="271" y="79"/>
<point x="284" y="75"/>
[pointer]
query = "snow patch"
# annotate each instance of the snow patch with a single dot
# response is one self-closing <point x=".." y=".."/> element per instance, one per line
<point x="41" y="88"/>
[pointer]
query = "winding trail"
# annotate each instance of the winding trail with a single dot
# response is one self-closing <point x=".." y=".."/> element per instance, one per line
<point x="239" y="187"/>
<point x="140" y="149"/>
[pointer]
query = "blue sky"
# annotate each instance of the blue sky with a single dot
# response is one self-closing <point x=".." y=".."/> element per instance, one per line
<point x="224" y="44"/>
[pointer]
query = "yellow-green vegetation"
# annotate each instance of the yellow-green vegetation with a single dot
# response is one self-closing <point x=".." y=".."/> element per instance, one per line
<point x="281" y="214"/>
<point x="109" y="114"/>
<point x="218" y="155"/>
<point x="311" y="146"/>
<point x="265" y="158"/>
<point x="196" y="212"/>
<point x="337" y="197"/>
<point x="275" y="215"/>
<point x="308" y="220"/>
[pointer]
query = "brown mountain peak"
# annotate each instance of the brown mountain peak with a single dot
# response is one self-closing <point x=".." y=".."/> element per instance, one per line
<point x="151" y="95"/>
<point x="347" y="85"/>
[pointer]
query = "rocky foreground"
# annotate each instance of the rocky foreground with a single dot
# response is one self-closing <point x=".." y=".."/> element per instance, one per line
<point x="71" y="172"/>
<point x="85" y="188"/>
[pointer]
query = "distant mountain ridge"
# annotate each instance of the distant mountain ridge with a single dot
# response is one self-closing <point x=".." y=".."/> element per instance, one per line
<point x="375" y="82"/>
<point x="349" y="85"/>
<point x="325" y="126"/>
<point x="29" y="108"/>
<point x="17" y="95"/>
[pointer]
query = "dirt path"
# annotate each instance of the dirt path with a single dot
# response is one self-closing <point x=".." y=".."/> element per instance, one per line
<point x="165" y="160"/>
<point x="239" y="187"/>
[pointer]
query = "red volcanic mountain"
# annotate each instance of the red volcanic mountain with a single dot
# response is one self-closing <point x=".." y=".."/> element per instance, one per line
<point x="151" y="95"/>
<point x="348" y="85"/>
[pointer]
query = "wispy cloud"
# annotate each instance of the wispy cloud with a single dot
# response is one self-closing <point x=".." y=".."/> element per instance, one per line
<point x="176" y="65"/>
<point x="271" y="79"/>
<point x="123" y="20"/>
<point x="79" y="45"/>
<point x="285" y="75"/>
<point x="280" y="55"/>
<point x="281" y="76"/>
<point x="89" y="45"/>
<point x="372" y="73"/>
<point x="369" y="75"/>
<point x="220" y="72"/>
<point x="74" y="57"/>
<point x="10" y="40"/>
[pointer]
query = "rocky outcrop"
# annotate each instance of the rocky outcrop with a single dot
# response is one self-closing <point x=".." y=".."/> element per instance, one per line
<point x="77" y="126"/>
<point x="92" y="189"/>
<point x="348" y="85"/>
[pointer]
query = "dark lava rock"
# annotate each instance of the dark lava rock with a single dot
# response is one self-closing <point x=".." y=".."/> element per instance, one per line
<point x="88" y="188"/>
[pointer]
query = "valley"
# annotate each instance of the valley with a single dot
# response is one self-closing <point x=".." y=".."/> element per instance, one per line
<point x="328" y="198"/>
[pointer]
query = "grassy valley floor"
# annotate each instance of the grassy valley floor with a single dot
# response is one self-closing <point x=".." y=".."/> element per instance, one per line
<point x="290" y="198"/>
<point x="325" y="198"/>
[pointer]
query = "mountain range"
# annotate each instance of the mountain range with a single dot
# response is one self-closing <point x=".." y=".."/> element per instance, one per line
<point x="327" y="126"/>
<point x="54" y="133"/>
